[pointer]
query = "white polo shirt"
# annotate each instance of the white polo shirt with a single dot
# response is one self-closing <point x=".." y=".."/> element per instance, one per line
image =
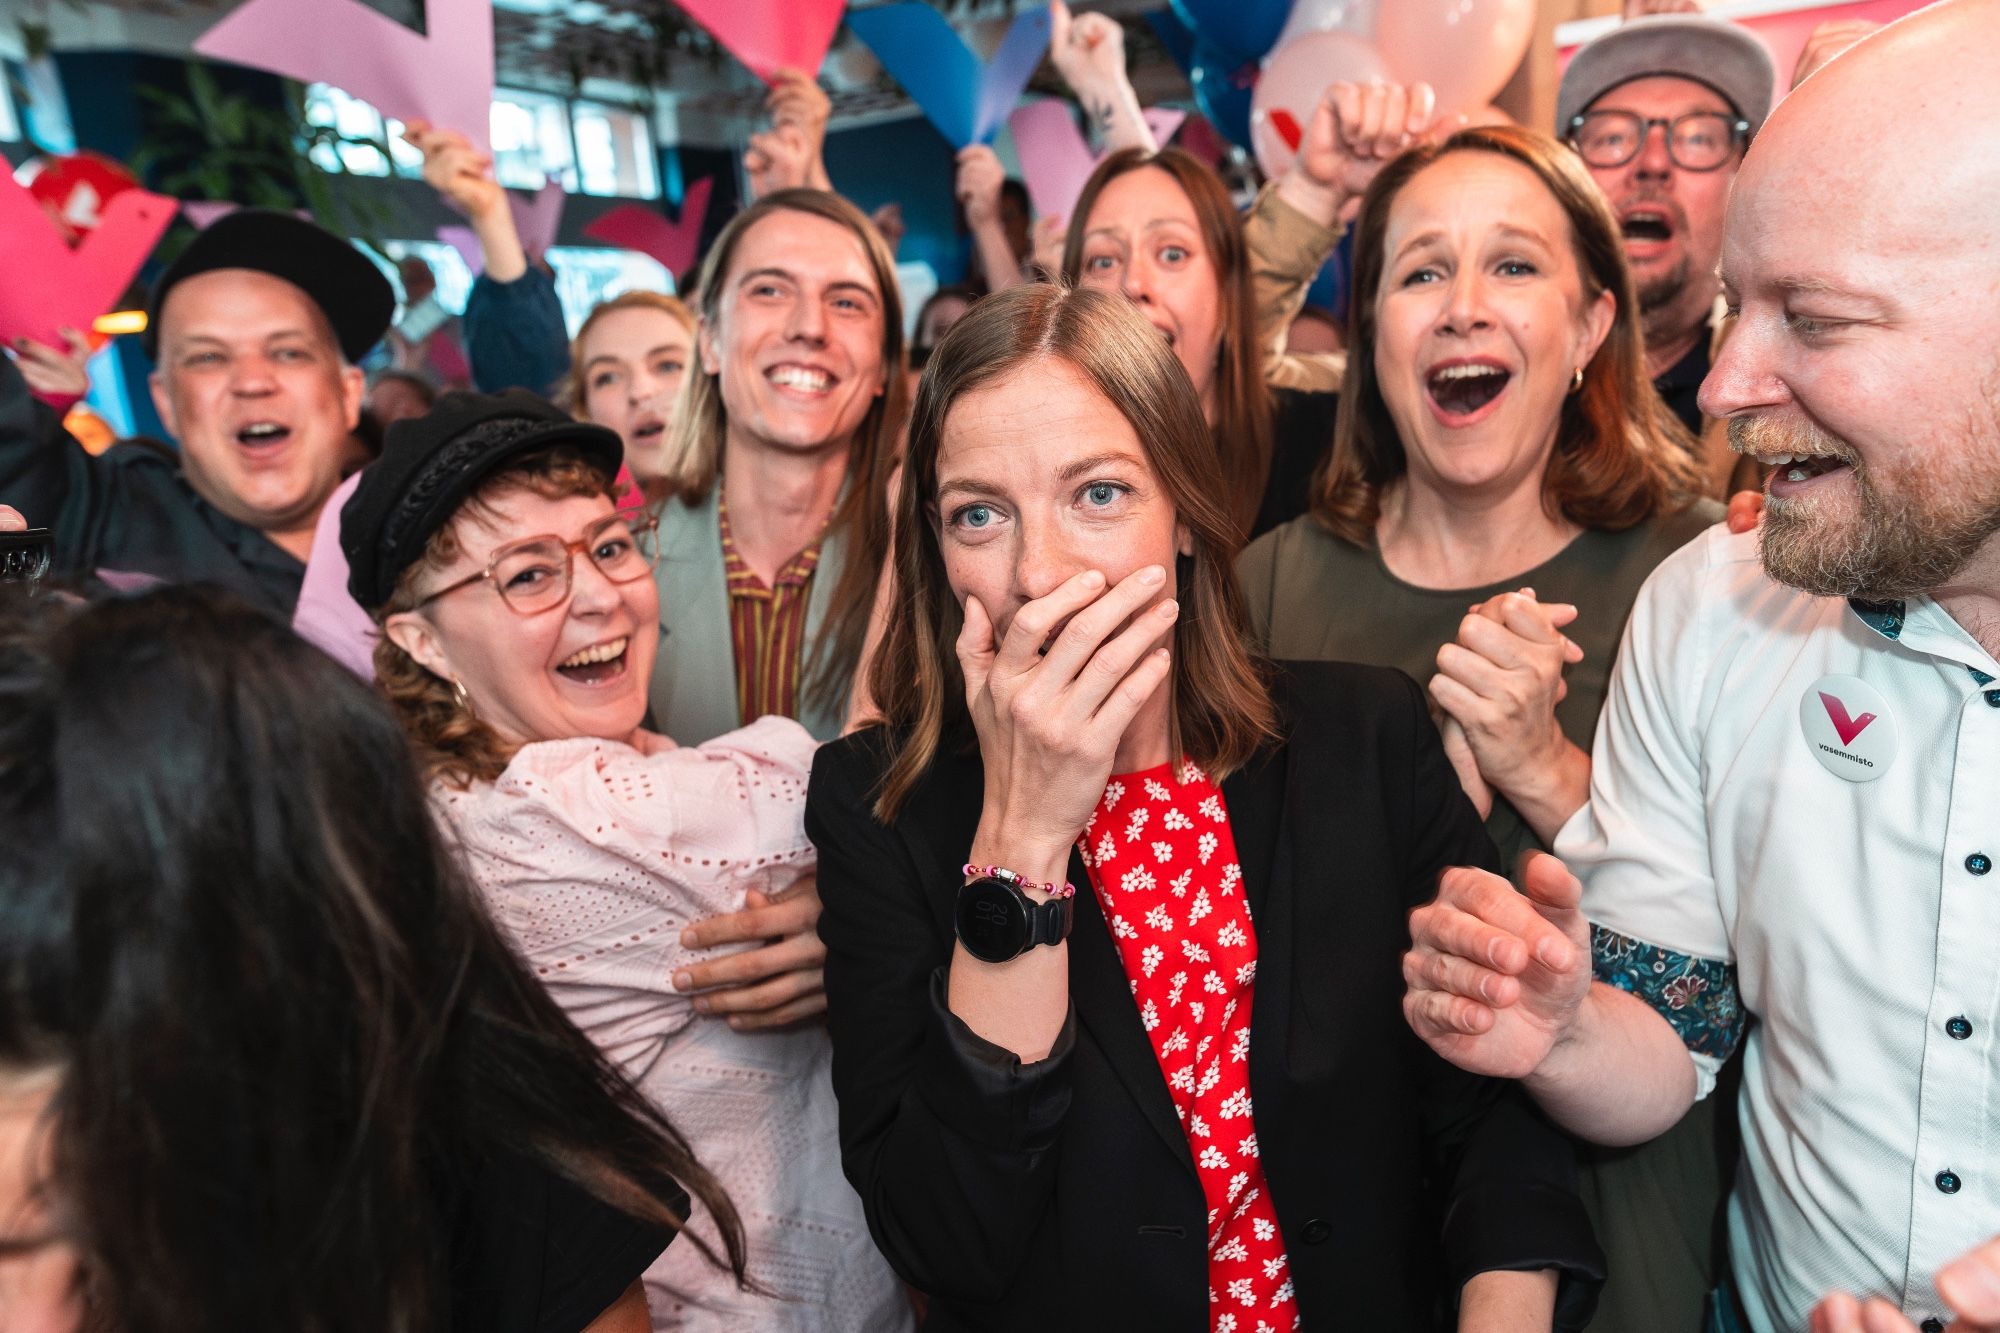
<point x="1801" y="796"/>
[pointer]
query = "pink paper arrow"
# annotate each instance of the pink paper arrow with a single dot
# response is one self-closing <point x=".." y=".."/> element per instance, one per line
<point x="445" y="77"/>
<point x="537" y="216"/>
<point x="1055" y="160"/>
<point x="770" y="35"/>
<point x="636" y="227"/>
<point x="1165" y="122"/>
<point x="50" y="286"/>
<point x="205" y="213"/>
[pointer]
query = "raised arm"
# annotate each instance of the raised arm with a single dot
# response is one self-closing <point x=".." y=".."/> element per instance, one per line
<point x="980" y="177"/>
<point x="463" y="176"/>
<point x="1297" y="220"/>
<point x="1088" y="50"/>
<point x="791" y="153"/>
<point x="513" y="325"/>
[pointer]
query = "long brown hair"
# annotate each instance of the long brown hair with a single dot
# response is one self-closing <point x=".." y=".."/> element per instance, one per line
<point x="571" y="395"/>
<point x="1242" y="431"/>
<point x="1620" y="454"/>
<point x="452" y="744"/>
<point x="694" y="456"/>
<point x="1221" y="706"/>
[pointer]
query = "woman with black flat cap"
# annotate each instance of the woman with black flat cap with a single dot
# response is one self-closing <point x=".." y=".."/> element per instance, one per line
<point x="519" y="622"/>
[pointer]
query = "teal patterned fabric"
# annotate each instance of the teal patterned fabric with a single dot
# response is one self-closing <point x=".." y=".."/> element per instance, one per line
<point x="1697" y="996"/>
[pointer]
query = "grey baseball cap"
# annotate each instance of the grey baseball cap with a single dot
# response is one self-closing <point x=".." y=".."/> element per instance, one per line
<point x="1728" y="58"/>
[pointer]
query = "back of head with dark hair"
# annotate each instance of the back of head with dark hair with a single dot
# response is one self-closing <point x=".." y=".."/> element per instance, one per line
<point x="284" y="1027"/>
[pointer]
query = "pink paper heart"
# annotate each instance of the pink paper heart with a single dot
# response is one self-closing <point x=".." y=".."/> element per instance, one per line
<point x="48" y="285"/>
<point x="636" y="227"/>
<point x="770" y="35"/>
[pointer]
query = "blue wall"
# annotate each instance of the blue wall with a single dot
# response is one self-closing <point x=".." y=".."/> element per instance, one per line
<point x="906" y="162"/>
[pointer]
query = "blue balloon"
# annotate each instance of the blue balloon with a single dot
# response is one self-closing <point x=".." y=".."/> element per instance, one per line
<point x="1222" y="90"/>
<point x="1245" y="29"/>
<point x="1174" y="35"/>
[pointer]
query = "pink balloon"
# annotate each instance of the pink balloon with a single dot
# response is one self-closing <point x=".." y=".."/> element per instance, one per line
<point x="1465" y="49"/>
<point x="1281" y="106"/>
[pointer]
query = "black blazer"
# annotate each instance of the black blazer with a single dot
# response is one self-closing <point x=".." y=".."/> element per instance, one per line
<point x="1062" y="1194"/>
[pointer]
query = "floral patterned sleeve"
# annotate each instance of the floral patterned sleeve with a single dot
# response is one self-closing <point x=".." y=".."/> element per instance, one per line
<point x="1697" y="996"/>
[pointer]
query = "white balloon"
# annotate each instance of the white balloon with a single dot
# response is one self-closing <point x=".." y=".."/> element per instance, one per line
<point x="1289" y="89"/>
<point x="1355" y="16"/>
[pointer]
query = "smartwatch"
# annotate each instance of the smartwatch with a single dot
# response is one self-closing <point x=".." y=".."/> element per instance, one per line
<point x="997" y="922"/>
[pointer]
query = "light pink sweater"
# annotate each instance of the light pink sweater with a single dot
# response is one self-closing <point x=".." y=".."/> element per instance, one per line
<point x="593" y="856"/>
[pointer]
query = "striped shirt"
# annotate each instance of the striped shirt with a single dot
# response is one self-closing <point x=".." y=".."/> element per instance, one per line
<point x="767" y="627"/>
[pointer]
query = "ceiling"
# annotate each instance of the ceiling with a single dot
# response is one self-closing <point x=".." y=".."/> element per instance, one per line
<point x="640" y="52"/>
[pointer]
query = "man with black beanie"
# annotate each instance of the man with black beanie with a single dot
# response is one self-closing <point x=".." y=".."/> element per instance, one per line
<point x="254" y="331"/>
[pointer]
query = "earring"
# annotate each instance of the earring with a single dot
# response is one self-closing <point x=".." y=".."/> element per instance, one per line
<point x="461" y="698"/>
<point x="1576" y="380"/>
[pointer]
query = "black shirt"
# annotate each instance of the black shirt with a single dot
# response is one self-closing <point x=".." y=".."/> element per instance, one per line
<point x="1301" y="435"/>
<point x="533" y="1253"/>
<point x="129" y="510"/>
<point x="1680" y="386"/>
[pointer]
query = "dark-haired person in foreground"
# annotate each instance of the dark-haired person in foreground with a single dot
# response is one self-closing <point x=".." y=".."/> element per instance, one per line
<point x="264" y="1060"/>
<point x="1089" y="1130"/>
<point x="254" y="330"/>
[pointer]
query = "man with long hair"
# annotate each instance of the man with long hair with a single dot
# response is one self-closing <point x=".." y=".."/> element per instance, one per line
<point x="781" y="448"/>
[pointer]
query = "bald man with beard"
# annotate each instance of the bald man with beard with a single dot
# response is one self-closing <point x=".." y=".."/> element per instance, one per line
<point x="1795" y="799"/>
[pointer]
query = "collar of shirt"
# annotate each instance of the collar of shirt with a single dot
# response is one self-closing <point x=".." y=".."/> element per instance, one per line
<point x="1926" y="627"/>
<point x="743" y="580"/>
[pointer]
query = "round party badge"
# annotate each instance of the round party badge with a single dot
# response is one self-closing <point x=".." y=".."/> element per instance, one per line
<point x="1848" y="727"/>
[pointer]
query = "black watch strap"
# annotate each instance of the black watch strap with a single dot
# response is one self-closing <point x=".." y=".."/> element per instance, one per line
<point x="1049" y="922"/>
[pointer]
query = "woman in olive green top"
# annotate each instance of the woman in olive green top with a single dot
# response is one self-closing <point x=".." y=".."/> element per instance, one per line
<point x="1503" y="478"/>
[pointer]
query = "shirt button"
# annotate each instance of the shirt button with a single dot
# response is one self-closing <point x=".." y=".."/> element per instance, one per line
<point x="1957" y="1028"/>
<point x="1993" y="698"/>
<point x="1979" y="863"/>
<point x="1948" y="1182"/>
<point x="1932" y="1326"/>
<point x="1316" y="1232"/>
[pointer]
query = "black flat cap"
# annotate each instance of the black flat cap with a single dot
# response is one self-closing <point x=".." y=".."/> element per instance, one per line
<point x="341" y="281"/>
<point x="431" y="463"/>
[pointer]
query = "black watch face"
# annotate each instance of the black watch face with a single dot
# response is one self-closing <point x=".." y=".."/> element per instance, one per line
<point x="992" y="921"/>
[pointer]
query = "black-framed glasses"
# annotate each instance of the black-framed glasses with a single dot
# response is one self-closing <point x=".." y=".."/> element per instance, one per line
<point x="533" y="574"/>
<point x="1698" y="141"/>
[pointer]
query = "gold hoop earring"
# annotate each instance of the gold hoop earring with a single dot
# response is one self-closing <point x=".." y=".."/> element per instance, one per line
<point x="1576" y="381"/>
<point x="461" y="698"/>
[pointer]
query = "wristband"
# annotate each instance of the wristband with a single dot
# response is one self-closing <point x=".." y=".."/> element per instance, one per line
<point x="1007" y="876"/>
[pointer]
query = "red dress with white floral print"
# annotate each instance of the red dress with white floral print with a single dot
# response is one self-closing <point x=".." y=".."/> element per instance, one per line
<point x="1163" y="862"/>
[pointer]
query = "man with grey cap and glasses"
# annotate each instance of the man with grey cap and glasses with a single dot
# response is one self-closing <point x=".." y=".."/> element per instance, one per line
<point x="1661" y="109"/>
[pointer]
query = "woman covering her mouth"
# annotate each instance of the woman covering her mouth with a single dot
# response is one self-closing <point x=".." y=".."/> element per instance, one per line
<point x="519" y="622"/>
<point x="1503" y="479"/>
<point x="1114" y="905"/>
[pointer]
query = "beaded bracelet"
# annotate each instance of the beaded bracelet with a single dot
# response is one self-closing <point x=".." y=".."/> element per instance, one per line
<point x="1007" y="876"/>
